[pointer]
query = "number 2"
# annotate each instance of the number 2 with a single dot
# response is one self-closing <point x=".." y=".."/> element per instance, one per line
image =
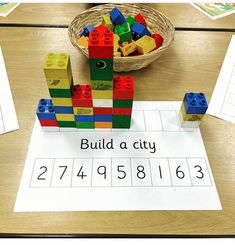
<point x="43" y="172"/>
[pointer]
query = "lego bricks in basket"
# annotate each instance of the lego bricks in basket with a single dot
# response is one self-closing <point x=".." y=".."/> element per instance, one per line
<point x="141" y="33"/>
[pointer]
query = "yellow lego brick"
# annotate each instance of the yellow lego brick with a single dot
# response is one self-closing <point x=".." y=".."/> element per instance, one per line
<point x="188" y="124"/>
<point x="103" y="124"/>
<point x="127" y="48"/>
<point x="117" y="54"/>
<point x="65" y="117"/>
<point x="190" y="117"/>
<point x="107" y="22"/>
<point x="83" y="110"/>
<point x="57" y="66"/>
<point x="59" y="83"/>
<point x="83" y="41"/>
<point x="61" y="101"/>
<point x="116" y="45"/>
<point x="145" y="44"/>
<point x="102" y="94"/>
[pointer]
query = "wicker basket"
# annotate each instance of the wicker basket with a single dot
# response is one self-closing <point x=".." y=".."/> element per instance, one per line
<point x="156" y="21"/>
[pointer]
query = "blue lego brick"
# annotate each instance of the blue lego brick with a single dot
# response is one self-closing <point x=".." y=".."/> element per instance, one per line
<point x="63" y="109"/>
<point x="195" y="103"/>
<point x="103" y="118"/>
<point x="45" y="110"/>
<point x="87" y="30"/>
<point x="139" y="30"/>
<point x="84" y="118"/>
<point x="117" y="17"/>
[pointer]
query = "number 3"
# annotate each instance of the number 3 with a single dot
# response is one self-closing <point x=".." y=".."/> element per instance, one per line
<point x="199" y="171"/>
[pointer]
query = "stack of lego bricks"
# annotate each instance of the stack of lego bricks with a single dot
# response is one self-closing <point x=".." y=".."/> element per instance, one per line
<point x="192" y="110"/>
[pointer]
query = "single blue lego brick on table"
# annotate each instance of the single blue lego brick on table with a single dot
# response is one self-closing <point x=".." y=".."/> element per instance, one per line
<point x="103" y="118"/>
<point x="45" y="110"/>
<point x="139" y="30"/>
<point x="63" y="109"/>
<point x="87" y="30"/>
<point x="84" y="118"/>
<point x="117" y="17"/>
<point x="195" y="103"/>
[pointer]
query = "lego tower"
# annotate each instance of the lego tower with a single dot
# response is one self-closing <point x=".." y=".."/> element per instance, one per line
<point x="106" y="103"/>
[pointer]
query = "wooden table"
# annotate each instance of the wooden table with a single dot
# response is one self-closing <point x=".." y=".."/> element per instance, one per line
<point x="192" y="63"/>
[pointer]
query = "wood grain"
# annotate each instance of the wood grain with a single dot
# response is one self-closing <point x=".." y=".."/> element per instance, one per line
<point x="192" y="63"/>
<point x="181" y="15"/>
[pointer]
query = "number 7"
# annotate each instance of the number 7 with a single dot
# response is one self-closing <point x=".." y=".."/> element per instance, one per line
<point x="65" y="168"/>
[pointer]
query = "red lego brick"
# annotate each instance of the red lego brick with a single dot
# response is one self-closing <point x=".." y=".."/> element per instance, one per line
<point x="123" y="87"/>
<point x="82" y="96"/>
<point x="48" y="123"/>
<point x="102" y="110"/>
<point x="101" y="41"/>
<point x="158" y="39"/>
<point x="122" y="111"/>
<point x="139" y="18"/>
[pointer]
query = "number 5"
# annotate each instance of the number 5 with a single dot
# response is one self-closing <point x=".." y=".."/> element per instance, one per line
<point x="121" y="171"/>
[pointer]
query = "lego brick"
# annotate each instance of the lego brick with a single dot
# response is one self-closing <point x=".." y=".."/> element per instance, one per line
<point x="85" y="125"/>
<point x="130" y="20"/>
<point x="102" y="85"/>
<point x="188" y="124"/>
<point x="84" y="118"/>
<point x="83" y="41"/>
<point x="83" y="110"/>
<point x="101" y="69"/>
<point x="102" y="94"/>
<point x="57" y="66"/>
<point x="59" y="83"/>
<point x="102" y="103"/>
<point x="140" y="19"/>
<point x="101" y="43"/>
<point x="123" y="87"/>
<point x="48" y="123"/>
<point x="102" y="118"/>
<point x="107" y="22"/>
<point x="190" y="117"/>
<point x="103" y="110"/>
<point x="116" y="43"/>
<point x="87" y="30"/>
<point x="139" y="30"/>
<point x="61" y="101"/>
<point x="60" y="93"/>
<point x="103" y="124"/>
<point x="63" y="109"/>
<point x="195" y="103"/>
<point x="124" y="32"/>
<point x="122" y="111"/>
<point x="117" y="17"/>
<point x="45" y="110"/>
<point x="158" y="39"/>
<point x="145" y="44"/>
<point x="65" y="117"/>
<point x="121" y="121"/>
<point x="67" y="124"/>
<point x="122" y="103"/>
<point x="82" y="96"/>
<point x="127" y="48"/>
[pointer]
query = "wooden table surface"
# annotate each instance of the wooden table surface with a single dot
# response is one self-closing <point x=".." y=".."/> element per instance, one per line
<point x="181" y="15"/>
<point x="192" y="63"/>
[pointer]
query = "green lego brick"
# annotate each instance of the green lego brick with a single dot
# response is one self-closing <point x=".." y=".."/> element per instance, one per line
<point x="121" y="121"/>
<point x="101" y="69"/>
<point x="122" y="103"/>
<point x="130" y="19"/>
<point x="60" y="93"/>
<point x="85" y="125"/>
<point x="102" y="85"/>
<point x="124" y="32"/>
<point x="67" y="124"/>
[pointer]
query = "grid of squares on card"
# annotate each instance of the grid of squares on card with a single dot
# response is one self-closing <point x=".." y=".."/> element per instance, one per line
<point x="120" y="172"/>
<point x="228" y="106"/>
<point x="142" y="121"/>
<point x="2" y="128"/>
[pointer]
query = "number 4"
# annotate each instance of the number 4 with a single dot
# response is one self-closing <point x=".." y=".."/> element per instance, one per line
<point x="81" y="173"/>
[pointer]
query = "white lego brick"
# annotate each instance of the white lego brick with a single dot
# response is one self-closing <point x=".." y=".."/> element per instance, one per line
<point x="102" y="103"/>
